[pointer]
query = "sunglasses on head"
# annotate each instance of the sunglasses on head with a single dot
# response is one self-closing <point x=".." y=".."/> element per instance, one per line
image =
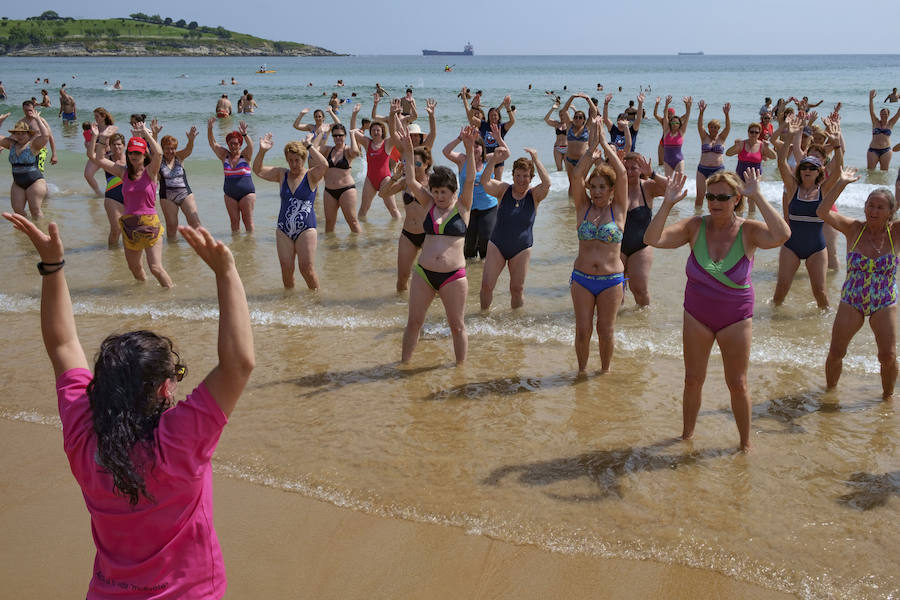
<point x="719" y="197"/>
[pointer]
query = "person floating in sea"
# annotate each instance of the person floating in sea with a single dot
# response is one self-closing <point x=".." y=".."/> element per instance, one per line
<point x="117" y="85"/>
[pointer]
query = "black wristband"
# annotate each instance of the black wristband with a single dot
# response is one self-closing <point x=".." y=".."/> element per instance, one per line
<point x="43" y="270"/>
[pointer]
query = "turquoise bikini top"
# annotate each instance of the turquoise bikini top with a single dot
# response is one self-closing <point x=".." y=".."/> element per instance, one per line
<point x="608" y="232"/>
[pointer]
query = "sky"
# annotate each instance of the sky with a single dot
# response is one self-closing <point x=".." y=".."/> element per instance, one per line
<point x="531" y="27"/>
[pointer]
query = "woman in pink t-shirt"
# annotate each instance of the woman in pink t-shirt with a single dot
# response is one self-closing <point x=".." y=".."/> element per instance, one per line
<point x="143" y="461"/>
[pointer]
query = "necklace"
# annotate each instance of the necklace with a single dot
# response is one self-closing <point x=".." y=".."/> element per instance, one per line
<point x="879" y="247"/>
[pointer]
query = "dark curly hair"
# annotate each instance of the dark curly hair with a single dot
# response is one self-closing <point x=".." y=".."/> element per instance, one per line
<point x="443" y="177"/>
<point x="125" y="406"/>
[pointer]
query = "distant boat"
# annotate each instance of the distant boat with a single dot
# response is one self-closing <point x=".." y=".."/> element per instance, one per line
<point x="468" y="50"/>
<point x="699" y="53"/>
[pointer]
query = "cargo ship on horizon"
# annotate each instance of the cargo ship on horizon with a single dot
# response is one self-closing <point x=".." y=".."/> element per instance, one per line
<point x="468" y="50"/>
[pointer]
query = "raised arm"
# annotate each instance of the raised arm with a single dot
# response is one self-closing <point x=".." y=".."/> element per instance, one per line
<point x="577" y="191"/>
<point x="218" y="150"/>
<point x="356" y="108"/>
<point x="540" y="191"/>
<point x="775" y="231"/>
<point x="469" y="135"/>
<point x="189" y="147"/>
<point x="723" y="135"/>
<point x="332" y="114"/>
<point x="469" y="113"/>
<point x="656" y="113"/>
<point x="702" y="109"/>
<point x="548" y="120"/>
<point x="318" y="164"/>
<point x="101" y="161"/>
<point x="640" y="112"/>
<point x="228" y="378"/>
<point x="416" y="189"/>
<point x="247" y="152"/>
<point x="303" y="126"/>
<point x="493" y="187"/>
<point x="872" y="107"/>
<point x="43" y="136"/>
<point x="837" y="220"/>
<point x="688" y="101"/>
<point x="510" y="114"/>
<point x="273" y="174"/>
<point x="607" y="122"/>
<point x="57" y="320"/>
<point x="153" y="148"/>
<point x="677" y="234"/>
<point x="455" y="157"/>
<point x="430" y="105"/>
<point x="620" y="198"/>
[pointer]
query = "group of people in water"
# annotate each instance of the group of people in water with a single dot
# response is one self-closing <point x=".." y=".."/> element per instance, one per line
<point x="452" y="217"/>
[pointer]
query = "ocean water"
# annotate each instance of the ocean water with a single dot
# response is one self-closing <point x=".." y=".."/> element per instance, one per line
<point x="511" y="445"/>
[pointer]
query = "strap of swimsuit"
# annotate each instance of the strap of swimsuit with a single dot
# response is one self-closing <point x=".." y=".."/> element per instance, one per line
<point x="718" y="269"/>
<point x="859" y="237"/>
<point x="888" y="227"/>
<point x="643" y="197"/>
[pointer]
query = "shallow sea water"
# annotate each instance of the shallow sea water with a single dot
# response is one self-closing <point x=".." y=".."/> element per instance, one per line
<point x="511" y="444"/>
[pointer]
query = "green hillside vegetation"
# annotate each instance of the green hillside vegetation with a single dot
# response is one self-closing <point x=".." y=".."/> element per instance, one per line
<point x="153" y="32"/>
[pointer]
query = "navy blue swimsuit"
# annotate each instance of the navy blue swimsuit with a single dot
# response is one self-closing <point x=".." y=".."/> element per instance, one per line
<point x="298" y="211"/>
<point x="807" y="236"/>
<point x="515" y="223"/>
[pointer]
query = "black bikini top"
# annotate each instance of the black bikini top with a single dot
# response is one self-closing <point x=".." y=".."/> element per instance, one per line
<point x="341" y="164"/>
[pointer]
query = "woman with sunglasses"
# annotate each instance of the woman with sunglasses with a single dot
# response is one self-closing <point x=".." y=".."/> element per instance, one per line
<point x="141" y="230"/>
<point x="142" y="461"/>
<point x="751" y="153"/>
<point x="712" y="149"/>
<point x="718" y="297"/>
<point x="880" y="153"/>
<point x="803" y="190"/>
<point x="340" y="187"/>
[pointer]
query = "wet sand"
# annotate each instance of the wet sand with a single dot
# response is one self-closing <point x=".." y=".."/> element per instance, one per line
<point x="283" y="545"/>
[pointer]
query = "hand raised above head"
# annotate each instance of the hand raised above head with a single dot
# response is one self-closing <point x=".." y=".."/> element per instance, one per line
<point x="752" y="178"/>
<point x="213" y="252"/>
<point x="265" y="142"/>
<point x="48" y="245"/>
<point x="848" y="175"/>
<point x="675" y="191"/>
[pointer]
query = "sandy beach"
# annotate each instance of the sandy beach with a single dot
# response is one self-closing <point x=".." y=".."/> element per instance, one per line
<point x="283" y="545"/>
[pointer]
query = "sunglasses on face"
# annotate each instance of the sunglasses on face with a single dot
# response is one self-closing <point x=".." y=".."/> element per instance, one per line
<point x="719" y="197"/>
<point x="756" y="131"/>
<point x="809" y="168"/>
<point x="180" y="372"/>
<point x="337" y="135"/>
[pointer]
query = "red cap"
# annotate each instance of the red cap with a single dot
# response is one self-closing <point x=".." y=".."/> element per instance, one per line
<point x="234" y="134"/>
<point x="671" y="111"/>
<point x="137" y="144"/>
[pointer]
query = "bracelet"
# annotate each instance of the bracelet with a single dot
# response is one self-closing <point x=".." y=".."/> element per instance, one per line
<point x="42" y="267"/>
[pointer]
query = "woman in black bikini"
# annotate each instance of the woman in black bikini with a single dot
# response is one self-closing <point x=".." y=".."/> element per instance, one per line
<point x="340" y="188"/>
<point x="561" y="144"/>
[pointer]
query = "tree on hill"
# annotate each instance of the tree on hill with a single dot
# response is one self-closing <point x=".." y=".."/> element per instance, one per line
<point x="181" y="23"/>
<point x="138" y="16"/>
<point x="167" y="21"/>
<point x="49" y="15"/>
